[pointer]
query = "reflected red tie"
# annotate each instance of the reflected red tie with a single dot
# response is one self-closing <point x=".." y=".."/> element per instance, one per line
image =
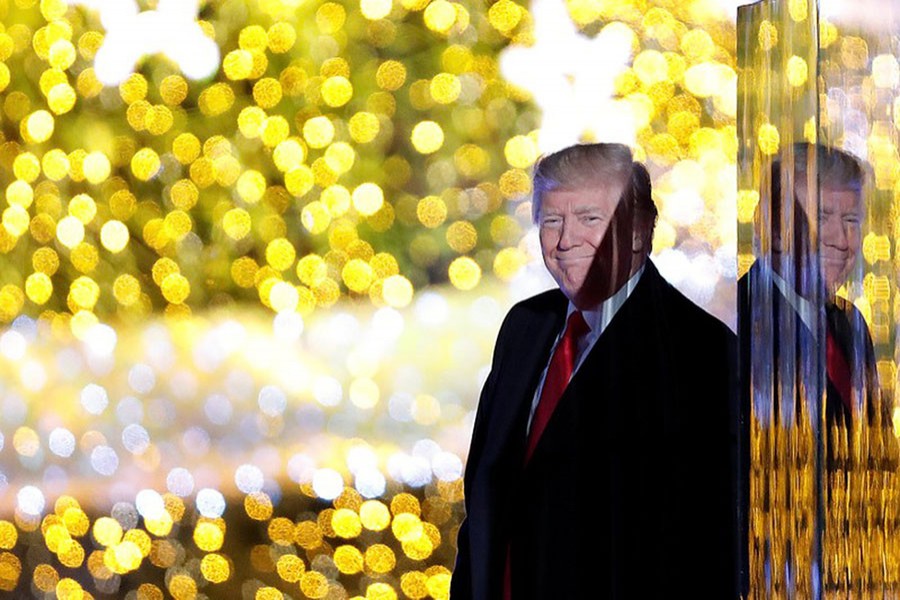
<point x="558" y="374"/>
<point x="838" y="370"/>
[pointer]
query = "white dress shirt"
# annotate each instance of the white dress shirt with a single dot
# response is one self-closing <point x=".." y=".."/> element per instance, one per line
<point x="597" y="321"/>
<point x="801" y="305"/>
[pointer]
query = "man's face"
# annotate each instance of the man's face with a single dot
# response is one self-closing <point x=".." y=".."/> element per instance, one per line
<point x="587" y="239"/>
<point x="840" y="219"/>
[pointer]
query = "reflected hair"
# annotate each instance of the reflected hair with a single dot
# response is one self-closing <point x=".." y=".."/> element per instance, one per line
<point x="590" y="165"/>
<point x="834" y="168"/>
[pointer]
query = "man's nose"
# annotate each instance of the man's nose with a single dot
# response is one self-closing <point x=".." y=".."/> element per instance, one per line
<point x="833" y="232"/>
<point x="568" y="236"/>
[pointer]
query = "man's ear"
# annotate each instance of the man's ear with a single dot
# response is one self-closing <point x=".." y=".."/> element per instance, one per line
<point x="640" y="234"/>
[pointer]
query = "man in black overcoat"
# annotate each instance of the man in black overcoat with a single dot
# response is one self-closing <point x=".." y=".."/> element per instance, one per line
<point x="610" y="476"/>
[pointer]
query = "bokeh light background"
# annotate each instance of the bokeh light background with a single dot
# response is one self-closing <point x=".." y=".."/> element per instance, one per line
<point x="255" y="254"/>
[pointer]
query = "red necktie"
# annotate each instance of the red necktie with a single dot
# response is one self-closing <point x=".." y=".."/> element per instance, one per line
<point x="558" y="374"/>
<point x="838" y="370"/>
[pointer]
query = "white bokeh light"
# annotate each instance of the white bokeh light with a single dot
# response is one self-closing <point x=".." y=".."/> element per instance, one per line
<point x="171" y="29"/>
<point x="180" y="482"/>
<point x="150" y="504"/>
<point x="249" y="478"/>
<point x="13" y="345"/>
<point x="62" y="442"/>
<point x="210" y="503"/>
<point x="30" y="501"/>
<point x="327" y="484"/>
<point x="94" y="398"/>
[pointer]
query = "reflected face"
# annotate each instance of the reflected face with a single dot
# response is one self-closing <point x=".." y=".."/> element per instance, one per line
<point x="840" y="218"/>
<point x="587" y="242"/>
<point x="840" y="223"/>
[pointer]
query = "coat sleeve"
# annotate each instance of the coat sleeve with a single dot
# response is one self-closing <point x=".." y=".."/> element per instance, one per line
<point x="461" y="585"/>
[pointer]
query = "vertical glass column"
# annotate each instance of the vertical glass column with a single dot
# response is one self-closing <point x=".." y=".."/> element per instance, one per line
<point x="819" y="193"/>
<point x="859" y="45"/>
<point x="780" y="301"/>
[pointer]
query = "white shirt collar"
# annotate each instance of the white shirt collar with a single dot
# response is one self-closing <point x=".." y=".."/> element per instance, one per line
<point x="801" y="305"/>
<point x="598" y="319"/>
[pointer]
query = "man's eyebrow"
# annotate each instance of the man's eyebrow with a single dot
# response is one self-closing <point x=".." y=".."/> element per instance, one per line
<point x="588" y="208"/>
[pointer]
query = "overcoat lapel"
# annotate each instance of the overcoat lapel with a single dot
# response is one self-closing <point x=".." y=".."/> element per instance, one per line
<point x="601" y="372"/>
<point x="506" y="446"/>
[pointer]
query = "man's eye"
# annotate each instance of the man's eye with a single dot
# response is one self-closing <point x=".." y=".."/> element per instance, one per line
<point x="551" y="222"/>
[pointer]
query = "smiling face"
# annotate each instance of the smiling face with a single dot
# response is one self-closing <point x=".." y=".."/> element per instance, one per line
<point x="588" y="242"/>
<point x="840" y="220"/>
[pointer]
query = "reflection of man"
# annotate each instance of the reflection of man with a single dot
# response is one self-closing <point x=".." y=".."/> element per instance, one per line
<point x="600" y="460"/>
<point x="790" y="319"/>
<point x="797" y="281"/>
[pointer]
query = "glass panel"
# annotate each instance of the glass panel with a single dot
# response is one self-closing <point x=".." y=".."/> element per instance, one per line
<point x="818" y="166"/>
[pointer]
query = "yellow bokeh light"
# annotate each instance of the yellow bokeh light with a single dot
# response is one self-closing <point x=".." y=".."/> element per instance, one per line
<point x="314" y="584"/>
<point x="69" y="589"/>
<point x="280" y="254"/>
<point x="357" y="275"/>
<point x="407" y="527"/>
<point x="462" y="236"/>
<point x="431" y="211"/>
<point x="26" y="167"/>
<point x="274" y="130"/>
<point x="251" y="186"/>
<point x="379" y="558"/>
<point x="768" y="139"/>
<point x="114" y="236"/>
<point x="55" y="164"/>
<point x="318" y="132"/>
<point x="337" y="91"/>
<point x="16" y="220"/>
<point x="83" y="208"/>
<point x="797" y="71"/>
<point x="368" y="198"/>
<point x="521" y="151"/>
<point x="289" y="154"/>
<point x="346" y="523"/>
<point x="208" y="536"/>
<point x="337" y="200"/>
<point x="145" y="164"/>
<point x="175" y="288"/>
<point x="768" y="35"/>
<point x="397" y="291"/>
<point x="340" y="157"/>
<point x="267" y="92"/>
<point x="509" y="262"/>
<point x="70" y="231"/>
<point x="38" y="126"/>
<point x="283" y="297"/>
<point x="186" y="148"/>
<point x="375" y="9"/>
<point x="391" y="75"/>
<point x="440" y="16"/>
<point x="236" y="223"/>
<point x="427" y="137"/>
<point x="107" y="531"/>
<point x="96" y="167"/>
<point x="281" y="37"/>
<point x="315" y="217"/>
<point x="464" y="273"/>
<point x="215" y="568"/>
<point x="445" y="88"/>
<point x="364" y="127"/>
